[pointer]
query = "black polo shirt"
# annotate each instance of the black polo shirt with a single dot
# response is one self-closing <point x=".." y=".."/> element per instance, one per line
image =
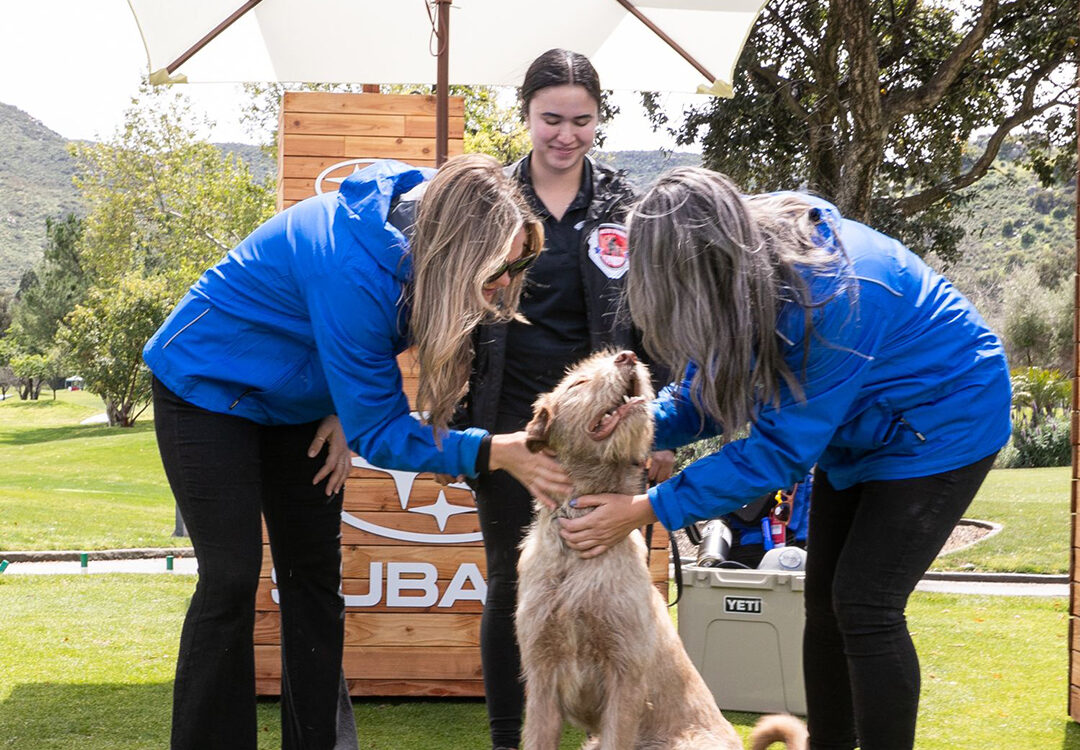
<point x="553" y="301"/>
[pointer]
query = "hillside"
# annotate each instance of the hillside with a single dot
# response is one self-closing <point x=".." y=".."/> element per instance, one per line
<point x="1014" y="223"/>
<point x="35" y="182"/>
<point x="643" y="167"/>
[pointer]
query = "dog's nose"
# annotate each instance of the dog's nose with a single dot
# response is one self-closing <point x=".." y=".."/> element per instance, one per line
<point x="625" y="358"/>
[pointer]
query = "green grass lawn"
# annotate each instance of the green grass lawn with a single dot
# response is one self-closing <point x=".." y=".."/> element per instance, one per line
<point x="87" y="662"/>
<point x="1032" y="505"/>
<point x="65" y="485"/>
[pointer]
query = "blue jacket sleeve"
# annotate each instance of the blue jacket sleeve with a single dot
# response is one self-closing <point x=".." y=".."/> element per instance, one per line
<point x="785" y="441"/>
<point x="678" y="422"/>
<point x="355" y="333"/>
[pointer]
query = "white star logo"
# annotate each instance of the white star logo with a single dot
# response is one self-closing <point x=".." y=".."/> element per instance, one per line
<point x="442" y="510"/>
<point x="357" y="165"/>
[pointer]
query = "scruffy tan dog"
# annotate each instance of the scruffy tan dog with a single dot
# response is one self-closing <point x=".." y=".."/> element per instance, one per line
<point x="597" y="645"/>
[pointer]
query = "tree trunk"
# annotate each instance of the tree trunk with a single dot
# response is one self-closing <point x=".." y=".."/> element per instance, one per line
<point x="867" y="142"/>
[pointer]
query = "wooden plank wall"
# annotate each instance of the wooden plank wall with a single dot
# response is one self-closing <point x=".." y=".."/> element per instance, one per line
<point x="412" y="618"/>
<point x="319" y="130"/>
<point x="1074" y="587"/>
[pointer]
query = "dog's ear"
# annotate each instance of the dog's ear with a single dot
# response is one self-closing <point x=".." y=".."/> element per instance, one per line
<point x="538" y="430"/>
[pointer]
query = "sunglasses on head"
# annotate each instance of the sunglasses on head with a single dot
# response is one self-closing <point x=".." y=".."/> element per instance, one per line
<point x="513" y="267"/>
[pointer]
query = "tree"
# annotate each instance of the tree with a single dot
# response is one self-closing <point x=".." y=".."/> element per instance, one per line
<point x="52" y="289"/>
<point x="31" y="371"/>
<point x="7" y="380"/>
<point x="1038" y="321"/>
<point x="162" y="202"/>
<point x="103" y="340"/>
<point x="872" y="103"/>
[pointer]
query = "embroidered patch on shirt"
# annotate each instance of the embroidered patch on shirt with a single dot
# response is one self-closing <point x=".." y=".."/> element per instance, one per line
<point x="609" y="251"/>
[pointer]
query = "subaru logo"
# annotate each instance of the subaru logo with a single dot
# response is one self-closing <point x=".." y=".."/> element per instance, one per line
<point x="336" y="174"/>
<point x="441" y="510"/>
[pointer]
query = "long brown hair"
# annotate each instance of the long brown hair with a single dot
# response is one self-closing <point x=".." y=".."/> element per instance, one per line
<point x="465" y="223"/>
<point x="710" y="271"/>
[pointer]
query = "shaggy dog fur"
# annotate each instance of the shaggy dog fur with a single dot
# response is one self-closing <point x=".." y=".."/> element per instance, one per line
<point x="598" y="648"/>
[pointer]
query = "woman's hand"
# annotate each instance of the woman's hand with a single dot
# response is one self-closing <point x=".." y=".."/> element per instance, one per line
<point x="338" y="456"/>
<point x="661" y="466"/>
<point x="612" y="519"/>
<point x="539" y="473"/>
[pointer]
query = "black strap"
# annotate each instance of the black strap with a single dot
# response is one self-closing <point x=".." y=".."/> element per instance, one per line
<point x="674" y="556"/>
<point x="678" y="569"/>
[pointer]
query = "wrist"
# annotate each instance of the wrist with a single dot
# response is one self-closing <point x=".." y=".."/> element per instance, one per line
<point x="643" y="510"/>
<point x="497" y="452"/>
<point x="483" y="456"/>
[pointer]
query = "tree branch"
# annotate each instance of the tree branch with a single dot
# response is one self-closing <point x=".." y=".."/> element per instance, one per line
<point x="900" y="105"/>
<point x="1027" y="110"/>
<point x="218" y="243"/>
<point x="781" y="86"/>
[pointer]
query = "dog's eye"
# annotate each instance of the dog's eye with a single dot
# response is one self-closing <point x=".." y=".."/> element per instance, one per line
<point x="576" y="383"/>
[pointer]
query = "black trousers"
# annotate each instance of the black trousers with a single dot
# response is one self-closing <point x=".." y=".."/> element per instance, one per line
<point x="868" y="546"/>
<point x="505" y="509"/>
<point x="225" y="473"/>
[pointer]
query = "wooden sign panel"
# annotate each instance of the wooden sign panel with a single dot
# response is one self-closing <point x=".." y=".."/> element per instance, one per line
<point x="413" y="572"/>
<point x="322" y="136"/>
<point x="1074" y="587"/>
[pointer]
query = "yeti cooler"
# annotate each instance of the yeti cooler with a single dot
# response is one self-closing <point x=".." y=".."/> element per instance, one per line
<point x="743" y="631"/>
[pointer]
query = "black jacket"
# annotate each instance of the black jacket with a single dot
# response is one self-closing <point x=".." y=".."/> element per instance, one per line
<point x="608" y="320"/>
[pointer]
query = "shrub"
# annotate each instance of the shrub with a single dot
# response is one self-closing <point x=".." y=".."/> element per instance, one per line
<point x="1037" y="444"/>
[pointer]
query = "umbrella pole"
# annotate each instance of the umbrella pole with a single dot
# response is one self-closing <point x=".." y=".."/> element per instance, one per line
<point x="210" y="36"/>
<point x="442" y="84"/>
<point x="667" y="39"/>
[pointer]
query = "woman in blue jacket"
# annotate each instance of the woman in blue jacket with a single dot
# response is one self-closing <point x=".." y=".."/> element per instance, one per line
<point x="281" y="359"/>
<point x="834" y="345"/>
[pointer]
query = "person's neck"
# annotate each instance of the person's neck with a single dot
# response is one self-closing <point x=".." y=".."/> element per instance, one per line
<point x="556" y="189"/>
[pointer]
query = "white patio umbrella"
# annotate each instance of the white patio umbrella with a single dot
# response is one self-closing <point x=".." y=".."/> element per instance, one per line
<point x="643" y="45"/>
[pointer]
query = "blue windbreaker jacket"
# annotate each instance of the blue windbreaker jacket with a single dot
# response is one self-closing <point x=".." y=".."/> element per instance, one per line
<point x="907" y="381"/>
<point x="305" y="318"/>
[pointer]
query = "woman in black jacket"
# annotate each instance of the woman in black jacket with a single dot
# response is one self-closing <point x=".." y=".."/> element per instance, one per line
<point x="571" y="303"/>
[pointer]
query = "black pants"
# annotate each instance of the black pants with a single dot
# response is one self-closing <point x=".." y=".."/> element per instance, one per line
<point x="224" y="472"/>
<point x="868" y="546"/>
<point x="505" y="509"/>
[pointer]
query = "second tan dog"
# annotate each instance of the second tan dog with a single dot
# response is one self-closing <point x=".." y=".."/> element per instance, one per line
<point x="598" y="648"/>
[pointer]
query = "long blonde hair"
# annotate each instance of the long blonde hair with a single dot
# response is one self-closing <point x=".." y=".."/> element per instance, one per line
<point x="465" y="223"/>
<point x="710" y="271"/>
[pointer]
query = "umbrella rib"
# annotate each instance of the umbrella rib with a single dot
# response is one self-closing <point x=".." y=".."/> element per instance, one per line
<point x="236" y="15"/>
<point x="670" y="42"/>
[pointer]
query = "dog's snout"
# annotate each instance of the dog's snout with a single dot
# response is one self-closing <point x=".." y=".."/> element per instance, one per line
<point x="625" y="358"/>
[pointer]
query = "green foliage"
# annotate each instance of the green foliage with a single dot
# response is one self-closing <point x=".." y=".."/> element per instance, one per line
<point x="51" y="291"/>
<point x="873" y="105"/>
<point x="1041" y="421"/>
<point x="1037" y="444"/>
<point x="1041" y="393"/>
<point x="104" y="337"/>
<point x="32" y="371"/>
<point x="161" y="202"/>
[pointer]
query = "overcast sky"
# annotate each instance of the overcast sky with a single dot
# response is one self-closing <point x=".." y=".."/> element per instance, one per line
<point x="75" y="64"/>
